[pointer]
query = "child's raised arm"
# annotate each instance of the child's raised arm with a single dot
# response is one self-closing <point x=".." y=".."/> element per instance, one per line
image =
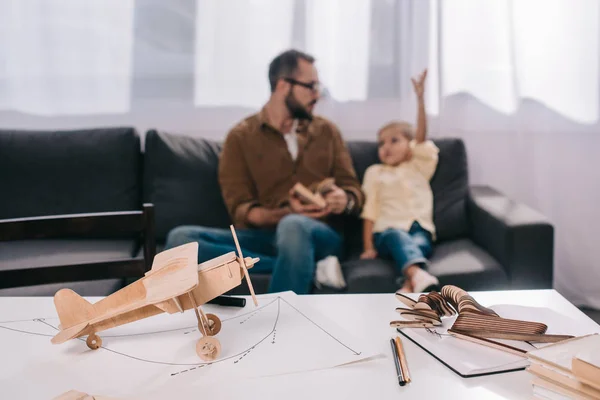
<point x="419" y="86"/>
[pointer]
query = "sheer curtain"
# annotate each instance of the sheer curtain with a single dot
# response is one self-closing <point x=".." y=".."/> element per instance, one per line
<point x="504" y="51"/>
<point x="235" y="41"/>
<point x="65" y="56"/>
<point x="517" y="80"/>
<point x="519" y="83"/>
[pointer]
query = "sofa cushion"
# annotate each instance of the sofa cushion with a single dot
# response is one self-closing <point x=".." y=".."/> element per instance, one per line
<point x="181" y="180"/>
<point x="449" y="185"/>
<point x="370" y="276"/>
<point x="468" y="266"/>
<point x="459" y="262"/>
<point x="42" y="253"/>
<point x="102" y="287"/>
<point x="68" y="172"/>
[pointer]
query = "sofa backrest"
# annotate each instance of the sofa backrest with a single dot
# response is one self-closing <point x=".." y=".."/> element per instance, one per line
<point x="67" y="172"/>
<point x="181" y="180"/>
<point x="449" y="185"/>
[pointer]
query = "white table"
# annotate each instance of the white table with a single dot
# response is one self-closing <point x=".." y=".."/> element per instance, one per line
<point x="368" y="317"/>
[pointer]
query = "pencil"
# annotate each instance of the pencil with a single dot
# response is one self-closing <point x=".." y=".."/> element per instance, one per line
<point x="403" y="364"/>
<point x="401" y="380"/>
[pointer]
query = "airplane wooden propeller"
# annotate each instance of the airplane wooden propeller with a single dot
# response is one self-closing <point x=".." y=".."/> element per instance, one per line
<point x="175" y="283"/>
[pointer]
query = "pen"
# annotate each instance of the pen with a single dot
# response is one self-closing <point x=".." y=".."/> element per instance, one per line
<point x="403" y="363"/>
<point x="401" y="380"/>
<point x="228" y="301"/>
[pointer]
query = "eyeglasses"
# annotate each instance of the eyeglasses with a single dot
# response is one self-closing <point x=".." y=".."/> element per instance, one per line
<point x="314" y="86"/>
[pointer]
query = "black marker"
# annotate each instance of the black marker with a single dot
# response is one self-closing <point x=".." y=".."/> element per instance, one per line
<point x="228" y="301"/>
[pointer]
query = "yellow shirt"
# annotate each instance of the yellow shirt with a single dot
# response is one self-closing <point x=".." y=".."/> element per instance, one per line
<point x="398" y="196"/>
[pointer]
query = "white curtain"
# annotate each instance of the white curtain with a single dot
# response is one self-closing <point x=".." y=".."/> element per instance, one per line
<point x="504" y="51"/>
<point x="517" y="80"/>
<point x="519" y="83"/>
<point x="337" y="34"/>
<point x="234" y="43"/>
<point x="65" y="57"/>
<point x="236" y="40"/>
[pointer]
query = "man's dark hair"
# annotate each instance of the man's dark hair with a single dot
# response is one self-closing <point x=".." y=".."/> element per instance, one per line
<point x="286" y="65"/>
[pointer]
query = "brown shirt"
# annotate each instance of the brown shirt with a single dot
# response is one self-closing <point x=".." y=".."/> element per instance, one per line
<point x="256" y="167"/>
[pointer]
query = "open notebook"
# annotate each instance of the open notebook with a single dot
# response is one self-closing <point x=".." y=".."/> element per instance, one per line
<point x="469" y="359"/>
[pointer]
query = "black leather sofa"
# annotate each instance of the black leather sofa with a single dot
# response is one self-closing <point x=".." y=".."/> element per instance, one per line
<point x="486" y="241"/>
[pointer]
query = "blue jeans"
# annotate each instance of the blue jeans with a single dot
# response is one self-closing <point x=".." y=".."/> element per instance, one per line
<point x="290" y="252"/>
<point x="405" y="248"/>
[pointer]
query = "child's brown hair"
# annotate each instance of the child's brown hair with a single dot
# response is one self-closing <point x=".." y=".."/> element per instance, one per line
<point x="404" y="127"/>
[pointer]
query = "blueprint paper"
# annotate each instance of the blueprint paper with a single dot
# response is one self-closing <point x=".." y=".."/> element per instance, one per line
<point x="278" y="337"/>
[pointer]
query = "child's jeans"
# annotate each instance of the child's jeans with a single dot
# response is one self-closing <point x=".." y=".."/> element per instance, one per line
<point x="405" y="248"/>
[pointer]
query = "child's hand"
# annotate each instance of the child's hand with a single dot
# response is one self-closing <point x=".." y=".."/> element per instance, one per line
<point x="368" y="254"/>
<point x="419" y="84"/>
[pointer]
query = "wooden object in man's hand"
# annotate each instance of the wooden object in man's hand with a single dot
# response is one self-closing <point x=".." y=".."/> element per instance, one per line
<point x="308" y="197"/>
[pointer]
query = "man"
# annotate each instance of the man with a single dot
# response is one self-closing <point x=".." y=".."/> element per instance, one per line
<point x="263" y="157"/>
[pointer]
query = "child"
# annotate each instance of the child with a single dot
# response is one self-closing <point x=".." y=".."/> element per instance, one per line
<point x="398" y="212"/>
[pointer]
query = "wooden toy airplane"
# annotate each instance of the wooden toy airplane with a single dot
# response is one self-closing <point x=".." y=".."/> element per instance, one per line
<point x="76" y="395"/>
<point x="174" y="284"/>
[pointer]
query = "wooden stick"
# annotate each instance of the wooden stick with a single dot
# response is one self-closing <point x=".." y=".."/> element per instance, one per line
<point x="489" y="343"/>
<point x="403" y="363"/>
<point x="178" y="304"/>
<point x="237" y="245"/>
<point x="470" y="322"/>
<point x="201" y="328"/>
<point x="411" y="324"/>
<point x="409" y="302"/>
<point x="203" y="315"/>
<point x="525" y="337"/>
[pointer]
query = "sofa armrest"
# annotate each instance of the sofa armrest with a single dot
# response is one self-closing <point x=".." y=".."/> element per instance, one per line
<point x="520" y="238"/>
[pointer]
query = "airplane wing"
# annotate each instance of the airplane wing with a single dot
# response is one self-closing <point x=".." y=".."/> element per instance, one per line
<point x="162" y="259"/>
<point x="218" y="261"/>
<point x="173" y="280"/>
<point x="174" y="277"/>
<point x="76" y="395"/>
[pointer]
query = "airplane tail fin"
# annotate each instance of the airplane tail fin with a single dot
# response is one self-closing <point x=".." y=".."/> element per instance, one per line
<point x="70" y="333"/>
<point x="72" y="309"/>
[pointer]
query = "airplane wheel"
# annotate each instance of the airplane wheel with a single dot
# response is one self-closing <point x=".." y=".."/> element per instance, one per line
<point x="214" y="324"/>
<point x="93" y="341"/>
<point x="208" y="348"/>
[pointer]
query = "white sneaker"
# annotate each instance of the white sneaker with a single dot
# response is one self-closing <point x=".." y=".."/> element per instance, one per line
<point x="423" y="281"/>
<point x="329" y="273"/>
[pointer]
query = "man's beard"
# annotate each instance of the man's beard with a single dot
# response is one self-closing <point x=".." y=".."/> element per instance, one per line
<point x="297" y="110"/>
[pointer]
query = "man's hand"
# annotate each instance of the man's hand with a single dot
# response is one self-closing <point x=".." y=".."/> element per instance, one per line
<point x="265" y="217"/>
<point x="419" y="84"/>
<point x="336" y="199"/>
<point x="308" y="210"/>
<point x="368" y="254"/>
